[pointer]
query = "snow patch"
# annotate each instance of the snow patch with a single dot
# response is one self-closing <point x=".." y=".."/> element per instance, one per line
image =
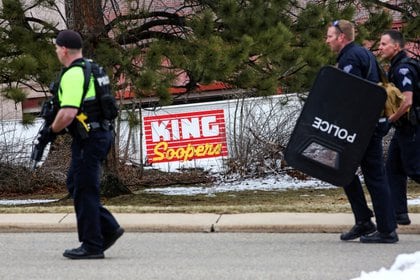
<point x="405" y="267"/>
<point x="280" y="182"/>
<point x="12" y="202"/>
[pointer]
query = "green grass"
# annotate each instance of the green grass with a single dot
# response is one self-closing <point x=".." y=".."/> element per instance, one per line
<point x="300" y="200"/>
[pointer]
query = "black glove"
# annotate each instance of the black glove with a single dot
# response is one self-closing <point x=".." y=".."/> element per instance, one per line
<point x="382" y="127"/>
<point x="46" y="135"/>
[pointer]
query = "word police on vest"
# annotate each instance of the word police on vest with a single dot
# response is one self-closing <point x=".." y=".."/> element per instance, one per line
<point x="335" y="126"/>
<point x="103" y="81"/>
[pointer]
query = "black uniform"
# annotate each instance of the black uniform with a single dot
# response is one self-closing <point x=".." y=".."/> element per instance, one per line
<point x="357" y="60"/>
<point x="97" y="227"/>
<point x="404" y="150"/>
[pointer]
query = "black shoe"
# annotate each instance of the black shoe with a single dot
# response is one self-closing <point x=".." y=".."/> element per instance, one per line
<point x="379" y="237"/>
<point x="359" y="229"/>
<point x="403" y="219"/>
<point x="110" y="240"/>
<point x="81" y="253"/>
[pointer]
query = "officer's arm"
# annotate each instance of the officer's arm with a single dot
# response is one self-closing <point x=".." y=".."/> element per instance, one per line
<point x="404" y="107"/>
<point x="351" y="65"/>
<point x="63" y="119"/>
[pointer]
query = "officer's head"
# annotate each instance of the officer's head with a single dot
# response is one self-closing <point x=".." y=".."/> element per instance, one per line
<point x="339" y="34"/>
<point x="392" y="42"/>
<point x="68" y="46"/>
<point x="69" y="39"/>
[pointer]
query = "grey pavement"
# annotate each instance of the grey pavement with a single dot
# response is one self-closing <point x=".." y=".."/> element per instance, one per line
<point x="202" y="222"/>
<point x="206" y="256"/>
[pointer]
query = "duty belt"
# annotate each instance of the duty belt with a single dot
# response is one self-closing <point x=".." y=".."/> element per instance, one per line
<point x="105" y="125"/>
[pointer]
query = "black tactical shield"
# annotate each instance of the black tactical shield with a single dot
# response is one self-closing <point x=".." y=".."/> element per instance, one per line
<point x="335" y="126"/>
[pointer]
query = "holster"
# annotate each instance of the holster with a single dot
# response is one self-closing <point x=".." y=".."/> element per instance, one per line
<point x="79" y="127"/>
<point x="81" y="131"/>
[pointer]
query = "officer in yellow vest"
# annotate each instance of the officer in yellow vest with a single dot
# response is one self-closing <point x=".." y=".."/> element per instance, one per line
<point x="97" y="228"/>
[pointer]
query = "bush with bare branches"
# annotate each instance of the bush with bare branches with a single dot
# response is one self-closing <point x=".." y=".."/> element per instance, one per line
<point x="261" y="129"/>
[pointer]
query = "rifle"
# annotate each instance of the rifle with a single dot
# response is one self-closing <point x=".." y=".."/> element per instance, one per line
<point x="48" y="112"/>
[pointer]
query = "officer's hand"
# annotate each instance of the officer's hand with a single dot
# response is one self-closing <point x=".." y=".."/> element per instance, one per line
<point x="46" y="135"/>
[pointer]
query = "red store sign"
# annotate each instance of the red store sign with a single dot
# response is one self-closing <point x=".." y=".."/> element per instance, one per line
<point x="185" y="136"/>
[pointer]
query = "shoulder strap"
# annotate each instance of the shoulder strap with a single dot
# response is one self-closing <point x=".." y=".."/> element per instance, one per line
<point x="86" y="66"/>
<point x="410" y="60"/>
<point x="87" y="70"/>
<point x="370" y="64"/>
<point x="381" y="72"/>
<point x="370" y="68"/>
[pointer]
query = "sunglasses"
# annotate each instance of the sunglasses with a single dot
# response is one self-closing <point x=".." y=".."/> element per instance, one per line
<point x="336" y="24"/>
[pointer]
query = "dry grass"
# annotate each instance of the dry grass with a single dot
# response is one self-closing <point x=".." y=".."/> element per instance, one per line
<point x="300" y="200"/>
<point x="48" y="182"/>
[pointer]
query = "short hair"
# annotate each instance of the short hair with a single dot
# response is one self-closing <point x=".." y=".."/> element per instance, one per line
<point x="69" y="39"/>
<point x="396" y="36"/>
<point x="345" y="27"/>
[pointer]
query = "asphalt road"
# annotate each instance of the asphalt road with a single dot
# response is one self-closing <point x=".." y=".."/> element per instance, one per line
<point x="199" y="256"/>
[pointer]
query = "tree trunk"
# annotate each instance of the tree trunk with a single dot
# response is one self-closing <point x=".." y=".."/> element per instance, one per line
<point x="86" y="17"/>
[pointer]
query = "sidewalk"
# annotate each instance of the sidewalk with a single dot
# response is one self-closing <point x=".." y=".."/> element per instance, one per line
<point x="252" y="222"/>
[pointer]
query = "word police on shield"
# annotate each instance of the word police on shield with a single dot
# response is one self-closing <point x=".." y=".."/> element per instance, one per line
<point x="335" y="126"/>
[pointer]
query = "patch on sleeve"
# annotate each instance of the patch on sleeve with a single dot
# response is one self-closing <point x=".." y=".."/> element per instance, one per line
<point x="348" y="68"/>
<point x="406" y="81"/>
<point x="403" y="71"/>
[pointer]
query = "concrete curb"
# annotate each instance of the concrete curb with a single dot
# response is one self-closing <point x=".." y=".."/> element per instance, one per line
<point x="202" y="222"/>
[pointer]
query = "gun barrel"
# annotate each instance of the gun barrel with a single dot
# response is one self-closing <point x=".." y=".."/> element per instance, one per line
<point x="37" y="152"/>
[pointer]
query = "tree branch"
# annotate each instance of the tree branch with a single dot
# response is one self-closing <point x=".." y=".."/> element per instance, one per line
<point x="143" y="16"/>
<point x="391" y="7"/>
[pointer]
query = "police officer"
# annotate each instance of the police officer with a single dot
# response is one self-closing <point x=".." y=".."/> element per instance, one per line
<point x="97" y="228"/>
<point x="404" y="150"/>
<point x="356" y="60"/>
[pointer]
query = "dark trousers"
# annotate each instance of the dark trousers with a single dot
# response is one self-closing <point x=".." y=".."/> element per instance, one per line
<point x="403" y="162"/>
<point x="373" y="169"/>
<point x="94" y="222"/>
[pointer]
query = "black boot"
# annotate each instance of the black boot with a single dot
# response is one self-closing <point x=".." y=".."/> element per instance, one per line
<point x="359" y="229"/>
<point x="403" y="219"/>
<point x="380" y="237"/>
<point x="111" y="239"/>
<point x="81" y="253"/>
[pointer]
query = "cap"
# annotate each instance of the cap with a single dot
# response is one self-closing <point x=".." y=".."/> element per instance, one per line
<point x="69" y="39"/>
